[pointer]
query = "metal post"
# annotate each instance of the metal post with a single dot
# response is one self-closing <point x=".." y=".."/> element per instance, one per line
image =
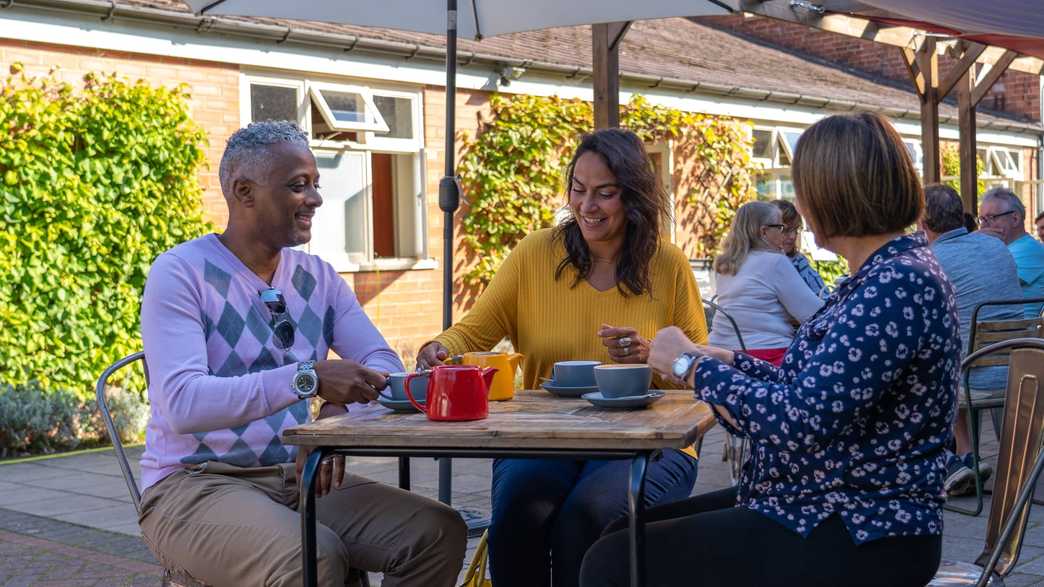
<point x="449" y="201"/>
<point x="309" y="553"/>
<point x="635" y="503"/>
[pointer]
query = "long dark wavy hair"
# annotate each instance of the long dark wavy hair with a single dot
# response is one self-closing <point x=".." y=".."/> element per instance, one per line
<point x="645" y="206"/>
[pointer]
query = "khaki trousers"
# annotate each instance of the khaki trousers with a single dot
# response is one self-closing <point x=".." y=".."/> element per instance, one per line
<point x="228" y="525"/>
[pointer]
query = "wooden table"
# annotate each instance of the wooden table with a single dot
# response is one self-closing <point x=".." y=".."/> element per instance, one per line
<point x="533" y="425"/>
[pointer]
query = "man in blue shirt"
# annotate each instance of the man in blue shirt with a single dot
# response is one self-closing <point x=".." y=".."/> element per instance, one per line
<point x="981" y="269"/>
<point x="1003" y="215"/>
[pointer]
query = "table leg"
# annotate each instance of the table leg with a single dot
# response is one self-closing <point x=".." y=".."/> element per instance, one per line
<point x="404" y="473"/>
<point x="309" y="553"/>
<point x="635" y="504"/>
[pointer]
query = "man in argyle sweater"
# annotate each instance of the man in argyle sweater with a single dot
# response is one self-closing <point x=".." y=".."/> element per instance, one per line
<point x="237" y="328"/>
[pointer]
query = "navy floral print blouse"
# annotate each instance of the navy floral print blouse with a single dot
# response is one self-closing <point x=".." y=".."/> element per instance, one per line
<point x="857" y="419"/>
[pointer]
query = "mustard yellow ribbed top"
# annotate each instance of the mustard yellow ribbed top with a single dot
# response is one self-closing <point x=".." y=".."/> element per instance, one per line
<point x="549" y="321"/>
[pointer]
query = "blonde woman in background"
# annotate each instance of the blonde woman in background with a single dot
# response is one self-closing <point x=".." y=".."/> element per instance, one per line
<point x="758" y="286"/>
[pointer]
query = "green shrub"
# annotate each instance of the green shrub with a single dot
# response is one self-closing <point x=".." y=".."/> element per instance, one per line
<point x="33" y="421"/>
<point x="94" y="184"/>
<point x="831" y="271"/>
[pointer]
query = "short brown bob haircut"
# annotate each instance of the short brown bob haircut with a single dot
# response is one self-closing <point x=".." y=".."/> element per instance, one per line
<point x="853" y="177"/>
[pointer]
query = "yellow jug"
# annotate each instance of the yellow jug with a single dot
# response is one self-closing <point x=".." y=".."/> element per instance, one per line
<point x="503" y="387"/>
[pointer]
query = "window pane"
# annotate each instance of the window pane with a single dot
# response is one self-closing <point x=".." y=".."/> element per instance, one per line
<point x="345" y="106"/>
<point x="792" y="139"/>
<point x="762" y="144"/>
<point x="397" y="114"/>
<point x="272" y="103"/>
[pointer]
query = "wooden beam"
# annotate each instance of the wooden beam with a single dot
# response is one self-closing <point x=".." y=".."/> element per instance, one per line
<point x="910" y="59"/>
<point x="983" y="87"/>
<point x="862" y="28"/>
<point x="605" y="46"/>
<point x="928" y="63"/>
<point x="967" y="147"/>
<point x="970" y="54"/>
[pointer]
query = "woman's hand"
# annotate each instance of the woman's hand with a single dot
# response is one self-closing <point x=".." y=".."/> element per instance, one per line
<point x="668" y="345"/>
<point x="432" y="354"/>
<point x="624" y="344"/>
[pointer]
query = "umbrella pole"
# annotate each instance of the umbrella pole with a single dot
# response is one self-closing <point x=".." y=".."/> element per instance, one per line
<point x="449" y="201"/>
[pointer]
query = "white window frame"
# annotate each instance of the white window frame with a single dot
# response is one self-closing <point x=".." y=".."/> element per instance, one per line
<point x="1006" y="162"/>
<point x="396" y="145"/>
<point x="246" y="106"/>
<point x="315" y="90"/>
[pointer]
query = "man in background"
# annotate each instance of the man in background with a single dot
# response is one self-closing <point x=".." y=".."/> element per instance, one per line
<point x="981" y="269"/>
<point x="1003" y="216"/>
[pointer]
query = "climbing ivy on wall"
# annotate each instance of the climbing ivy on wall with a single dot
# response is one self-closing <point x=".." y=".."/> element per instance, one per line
<point x="513" y="170"/>
<point x="94" y="184"/>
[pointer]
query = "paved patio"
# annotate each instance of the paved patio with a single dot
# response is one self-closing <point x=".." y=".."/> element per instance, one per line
<point x="69" y="520"/>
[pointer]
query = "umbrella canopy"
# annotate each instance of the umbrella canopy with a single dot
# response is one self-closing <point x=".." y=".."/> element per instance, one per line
<point x="475" y="18"/>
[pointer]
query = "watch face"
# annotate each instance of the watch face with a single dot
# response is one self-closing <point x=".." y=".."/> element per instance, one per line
<point x="681" y="366"/>
<point x="304" y="383"/>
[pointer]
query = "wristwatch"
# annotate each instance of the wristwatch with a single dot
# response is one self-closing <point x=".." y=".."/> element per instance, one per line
<point x="305" y="383"/>
<point x="683" y="365"/>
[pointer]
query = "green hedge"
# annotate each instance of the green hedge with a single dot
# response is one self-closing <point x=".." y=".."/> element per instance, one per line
<point x="96" y="182"/>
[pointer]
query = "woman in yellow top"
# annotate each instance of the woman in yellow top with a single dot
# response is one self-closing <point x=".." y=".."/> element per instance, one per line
<point x="598" y="286"/>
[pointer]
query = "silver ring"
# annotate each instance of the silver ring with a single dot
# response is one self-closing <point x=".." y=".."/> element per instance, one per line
<point x="327" y="461"/>
<point x="624" y="342"/>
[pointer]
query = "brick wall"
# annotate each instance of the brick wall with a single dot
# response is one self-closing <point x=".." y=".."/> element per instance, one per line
<point x="215" y="92"/>
<point x="1015" y="93"/>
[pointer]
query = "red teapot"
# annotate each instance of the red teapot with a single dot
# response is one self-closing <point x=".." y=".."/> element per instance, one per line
<point x="455" y="392"/>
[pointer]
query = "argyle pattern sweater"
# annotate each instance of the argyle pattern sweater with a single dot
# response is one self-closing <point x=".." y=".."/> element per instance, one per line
<point x="219" y="385"/>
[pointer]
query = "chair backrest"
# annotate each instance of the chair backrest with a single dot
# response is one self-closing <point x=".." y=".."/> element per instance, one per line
<point x="985" y="333"/>
<point x="710" y="309"/>
<point x="114" y="434"/>
<point x="1020" y="447"/>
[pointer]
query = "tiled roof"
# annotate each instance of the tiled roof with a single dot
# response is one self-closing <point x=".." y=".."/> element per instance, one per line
<point x="674" y="48"/>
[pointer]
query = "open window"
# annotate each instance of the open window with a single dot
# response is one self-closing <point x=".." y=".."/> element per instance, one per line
<point x="368" y="144"/>
<point x="345" y="108"/>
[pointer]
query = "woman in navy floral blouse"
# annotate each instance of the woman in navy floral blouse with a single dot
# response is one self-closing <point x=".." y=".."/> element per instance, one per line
<point x="844" y="486"/>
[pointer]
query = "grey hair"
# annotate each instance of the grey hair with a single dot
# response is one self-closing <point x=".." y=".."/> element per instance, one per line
<point x="745" y="235"/>
<point x="247" y="149"/>
<point x="1004" y="194"/>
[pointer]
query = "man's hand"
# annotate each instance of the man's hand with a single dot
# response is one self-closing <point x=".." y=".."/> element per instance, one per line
<point x="624" y="344"/>
<point x="432" y="354"/>
<point x="331" y="470"/>
<point x="346" y="382"/>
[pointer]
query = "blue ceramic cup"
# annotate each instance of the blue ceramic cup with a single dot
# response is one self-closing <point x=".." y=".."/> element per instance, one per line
<point x="396" y="389"/>
<point x="623" y="380"/>
<point x="575" y="373"/>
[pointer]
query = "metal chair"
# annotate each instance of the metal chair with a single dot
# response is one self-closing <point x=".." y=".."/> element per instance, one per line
<point x="171" y="577"/>
<point x="736" y="450"/>
<point x="1019" y="466"/>
<point x="982" y="335"/>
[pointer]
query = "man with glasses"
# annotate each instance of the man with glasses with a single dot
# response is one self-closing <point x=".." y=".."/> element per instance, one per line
<point x="1003" y="216"/>
<point x="981" y="269"/>
<point x="237" y="328"/>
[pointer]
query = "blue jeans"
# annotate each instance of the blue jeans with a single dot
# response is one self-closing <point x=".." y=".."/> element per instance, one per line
<point x="548" y="512"/>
